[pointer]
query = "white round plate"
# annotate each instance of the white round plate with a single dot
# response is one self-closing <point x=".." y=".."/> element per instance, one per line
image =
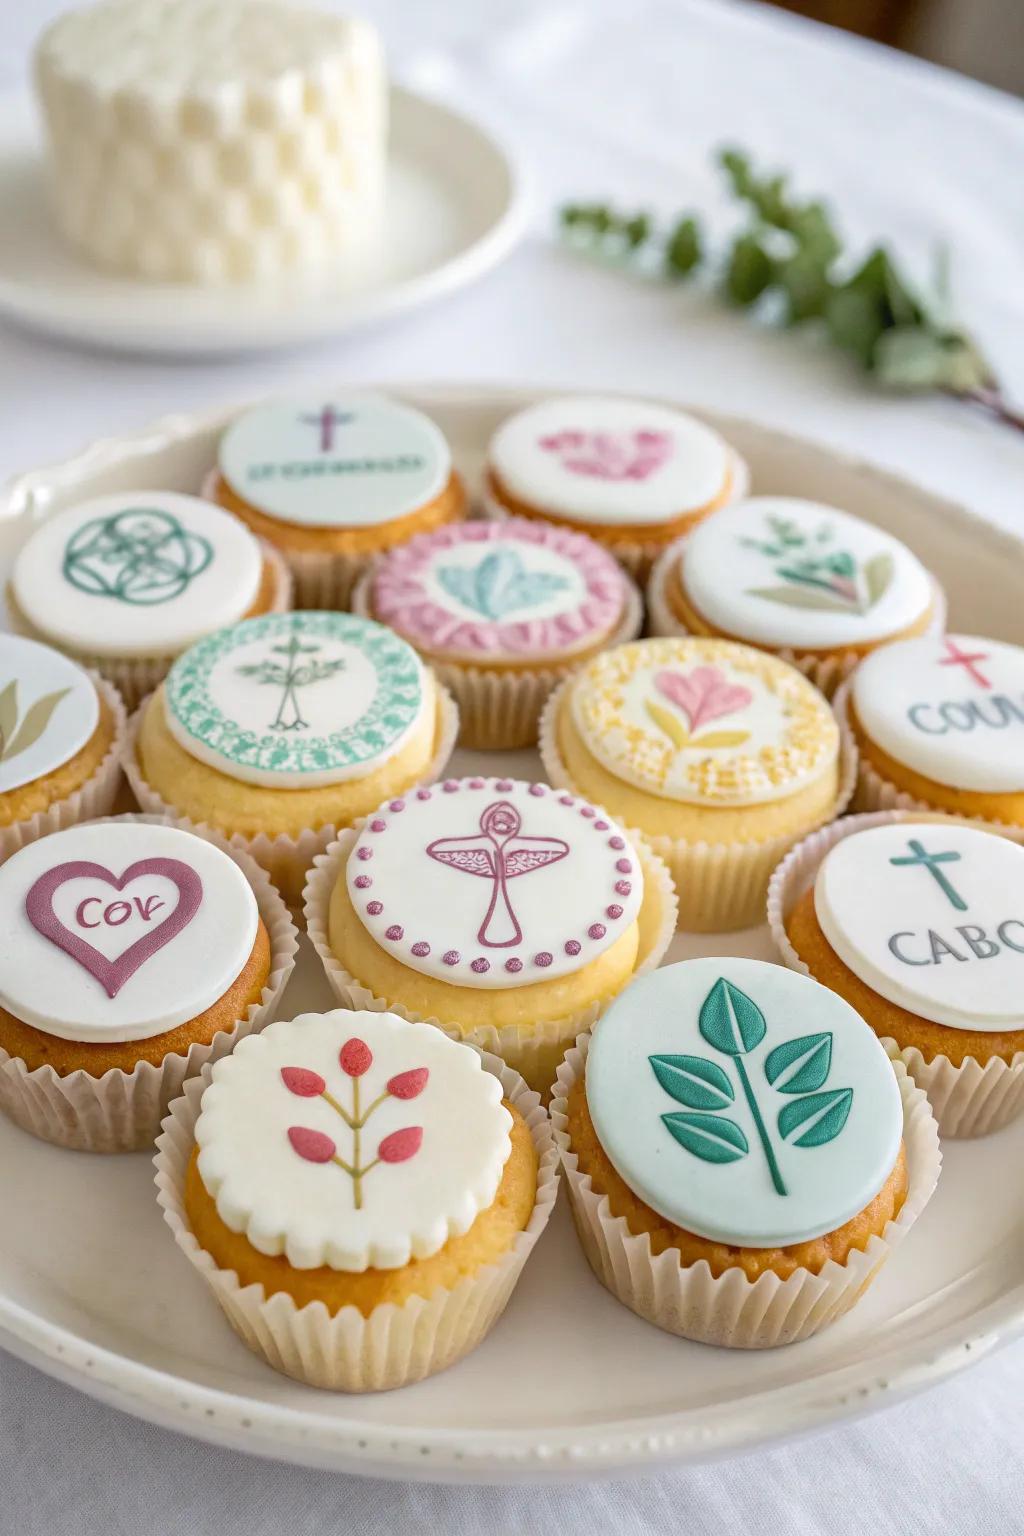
<point x="569" y="1384"/>
<point x="455" y="207"/>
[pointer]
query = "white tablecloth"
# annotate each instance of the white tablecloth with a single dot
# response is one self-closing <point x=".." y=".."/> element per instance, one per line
<point x="625" y="97"/>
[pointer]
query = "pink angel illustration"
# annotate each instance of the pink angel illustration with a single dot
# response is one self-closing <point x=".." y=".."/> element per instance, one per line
<point x="499" y="854"/>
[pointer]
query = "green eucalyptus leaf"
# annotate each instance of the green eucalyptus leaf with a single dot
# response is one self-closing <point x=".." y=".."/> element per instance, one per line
<point x="637" y="230"/>
<point x="37" y="718"/>
<point x="693" y="1081"/>
<point x="749" y="271"/>
<point x="684" y="248"/>
<point x="736" y="165"/>
<point x="910" y="357"/>
<point x="816" y="1119"/>
<point x="8" y="714"/>
<point x="801" y="597"/>
<point x="800" y="1066"/>
<point x="878" y="574"/>
<point x="713" y="1138"/>
<point x="730" y="1020"/>
<point x="812" y="228"/>
<point x="854" y="321"/>
<point x="804" y="280"/>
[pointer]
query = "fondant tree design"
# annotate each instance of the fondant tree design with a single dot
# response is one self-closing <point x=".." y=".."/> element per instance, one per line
<point x="355" y="1059"/>
<point x="815" y="573"/>
<point x="298" y="670"/>
<point x="733" y="1024"/>
<point x="499" y="853"/>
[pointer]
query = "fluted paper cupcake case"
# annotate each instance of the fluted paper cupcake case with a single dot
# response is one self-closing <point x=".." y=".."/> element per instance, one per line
<point x="720" y="887"/>
<point x="121" y="1111"/>
<point x="826" y="672"/>
<point x="731" y="1310"/>
<point x="500" y="709"/>
<point x="533" y="1049"/>
<point x="638" y="558"/>
<point x="286" y="859"/>
<point x="345" y="1351"/>
<point x="136" y="676"/>
<point x="94" y="798"/>
<point x="970" y="1100"/>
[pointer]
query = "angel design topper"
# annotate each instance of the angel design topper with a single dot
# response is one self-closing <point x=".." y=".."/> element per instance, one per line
<point x="499" y="853"/>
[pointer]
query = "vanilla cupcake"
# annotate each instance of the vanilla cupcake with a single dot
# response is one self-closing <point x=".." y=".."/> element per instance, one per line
<point x="61" y="732"/>
<point x="331" y="480"/>
<point x="125" y="583"/>
<point x="507" y="913"/>
<point x="360" y="1194"/>
<point x="282" y="729"/>
<point x="502" y="612"/>
<point x="631" y="473"/>
<point x="920" y="925"/>
<point x="718" y="755"/>
<point x="135" y="952"/>
<point x="939" y="725"/>
<point x="740" y="1155"/>
<point x="818" y="587"/>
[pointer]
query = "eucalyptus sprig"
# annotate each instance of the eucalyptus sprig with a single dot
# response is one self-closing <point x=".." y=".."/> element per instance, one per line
<point x="787" y="261"/>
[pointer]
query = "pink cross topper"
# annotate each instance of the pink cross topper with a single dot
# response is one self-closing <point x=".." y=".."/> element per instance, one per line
<point x="955" y="657"/>
<point x="326" y="419"/>
<point x="499" y="854"/>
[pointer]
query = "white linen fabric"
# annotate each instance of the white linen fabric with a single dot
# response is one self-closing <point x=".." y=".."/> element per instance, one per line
<point x="625" y="98"/>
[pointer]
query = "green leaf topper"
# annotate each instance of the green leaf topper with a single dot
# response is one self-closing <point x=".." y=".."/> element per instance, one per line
<point x="500" y="584"/>
<point x="16" y="738"/>
<point x="733" y="1024"/>
<point x="816" y="575"/>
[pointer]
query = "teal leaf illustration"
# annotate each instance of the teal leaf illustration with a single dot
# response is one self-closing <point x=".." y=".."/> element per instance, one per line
<point x="37" y="718"/>
<point x="800" y="597"/>
<point x="713" y="1138"/>
<point x="499" y="585"/>
<point x="878" y="574"/>
<point x="693" y="1081"/>
<point x="730" y="1020"/>
<point x="818" y="1118"/>
<point x="800" y="1066"/>
<point x="8" y="713"/>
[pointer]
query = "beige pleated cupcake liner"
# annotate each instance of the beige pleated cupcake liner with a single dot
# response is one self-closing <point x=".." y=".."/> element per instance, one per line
<point x="285" y="859"/>
<point x="136" y="676"/>
<point x="637" y="559"/>
<point x="826" y="672"/>
<point x="121" y="1111"/>
<point x="731" y="1310"/>
<point x="499" y="710"/>
<point x="94" y="798"/>
<point x="970" y="1100"/>
<point x="720" y="887"/>
<point x="533" y="1048"/>
<point x="345" y="1351"/>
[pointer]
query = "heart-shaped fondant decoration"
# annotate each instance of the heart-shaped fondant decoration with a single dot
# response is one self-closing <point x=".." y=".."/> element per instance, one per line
<point x="704" y="694"/>
<point x="112" y="974"/>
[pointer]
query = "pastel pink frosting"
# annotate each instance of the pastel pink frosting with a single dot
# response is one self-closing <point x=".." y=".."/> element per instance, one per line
<point x="402" y="599"/>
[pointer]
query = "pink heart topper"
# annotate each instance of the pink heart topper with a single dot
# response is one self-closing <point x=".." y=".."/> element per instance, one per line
<point x="703" y="694"/>
<point x="112" y="974"/>
<point x="610" y="455"/>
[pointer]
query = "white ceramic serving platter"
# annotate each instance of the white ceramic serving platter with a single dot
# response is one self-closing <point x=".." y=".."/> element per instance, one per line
<point x="570" y="1384"/>
<point x="455" y="207"/>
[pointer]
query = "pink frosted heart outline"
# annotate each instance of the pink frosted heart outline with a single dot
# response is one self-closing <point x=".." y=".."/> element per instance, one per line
<point x="112" y="974"/>
<point x="703" y="694"/>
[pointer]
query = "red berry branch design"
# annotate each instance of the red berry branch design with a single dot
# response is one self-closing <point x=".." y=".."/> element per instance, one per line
<point x="355" y="1059"/>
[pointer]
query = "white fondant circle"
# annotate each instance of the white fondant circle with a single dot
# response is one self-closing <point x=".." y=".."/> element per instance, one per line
<point x="737" y="1201"/>
<point x="932" y="917"/>
<point x="493" y="882"/>
<point x="780" y="571"/>
<point x="335" y="461"/>
<point x="49" y="708"/>
<point x="140" y="573"/>
<point x="951" y="709"/>
<point x="44" y="985"/>
<point x="285" y="1203"/>
<point x="296" y="700"/>
<point x="608" y="461"/>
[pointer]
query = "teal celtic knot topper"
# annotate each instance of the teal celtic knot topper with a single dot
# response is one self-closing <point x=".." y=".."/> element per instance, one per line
<point x="142" y="556"/>
<point x="733" y="1024"/>
<point x="500" y="584"/>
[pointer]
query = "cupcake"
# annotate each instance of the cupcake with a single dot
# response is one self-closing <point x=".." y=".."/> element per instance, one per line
<point x="360" y="1194"/>
<point x="507" y="913"/>
<point x="920" y="925"/>
<point x="61" y="732"/>
<point x="740" y="1155"/>
<point x="818" y="587"/>
<point x="281" y="729"/>
<point x="134" y="952"/>
<point x="632" y="474"/>
<point x="718" y="755"/>
<point x="331" y="481"/>
<point x="939" y="725"/>
<point x="502" y="612"/>
<point x="125" y="583"/>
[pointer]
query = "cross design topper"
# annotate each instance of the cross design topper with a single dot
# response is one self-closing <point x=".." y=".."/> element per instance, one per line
<point x="499" y="854"/>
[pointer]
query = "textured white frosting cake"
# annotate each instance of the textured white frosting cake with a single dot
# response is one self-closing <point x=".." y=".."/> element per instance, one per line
<point x="214" y="141"/>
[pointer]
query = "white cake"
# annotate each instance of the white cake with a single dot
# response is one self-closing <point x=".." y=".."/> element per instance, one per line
<point x="214" y="141"/>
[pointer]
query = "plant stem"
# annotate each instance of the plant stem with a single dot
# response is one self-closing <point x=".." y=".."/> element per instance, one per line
<point x="994" y="401"/>
<point x="378" y="1101"/>
<point x="339" y="1109"/>
<point x="357" y="1175"/>
<point x="773" y="1167"/>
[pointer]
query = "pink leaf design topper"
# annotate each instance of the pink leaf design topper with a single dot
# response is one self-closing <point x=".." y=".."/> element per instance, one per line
<point x="401" y="1145"/>
<point x="408" y="1085"/>
<point x="355" y="1057"/>
<point x="303" y="1082"/>
<point x="610" y="455"/>
<point x="314" y="1146"/>
<point x="703" y="695"/>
